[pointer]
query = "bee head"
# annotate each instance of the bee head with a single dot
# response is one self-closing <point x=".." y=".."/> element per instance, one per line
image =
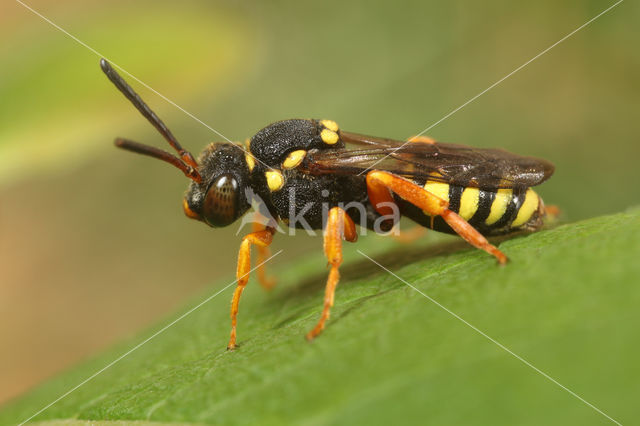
<point x="217" y="193"/>
<point x="220" y="198"/>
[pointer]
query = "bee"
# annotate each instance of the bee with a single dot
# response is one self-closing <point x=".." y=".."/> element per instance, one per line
<point x="313" y="171"/>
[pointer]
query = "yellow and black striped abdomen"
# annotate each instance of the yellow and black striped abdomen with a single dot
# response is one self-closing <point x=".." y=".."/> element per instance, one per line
<point x="492" y="212"/>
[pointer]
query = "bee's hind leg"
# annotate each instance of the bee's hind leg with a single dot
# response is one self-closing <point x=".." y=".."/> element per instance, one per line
<point x="379" y="185"/>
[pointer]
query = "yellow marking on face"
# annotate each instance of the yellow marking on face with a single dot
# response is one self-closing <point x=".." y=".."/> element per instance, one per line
<point x="529" y="206"/>
<point x="329" y="136"/>
<point x="251" y="163"/>
<point x="275" y="180"/>
<point x="499" y="205"/>
<point x="330" y="124"/>
<point x="439" y="189"/>
<point x="247" y="142"/>
<point x="469" y="202"/>
<point x="294" y="159"/>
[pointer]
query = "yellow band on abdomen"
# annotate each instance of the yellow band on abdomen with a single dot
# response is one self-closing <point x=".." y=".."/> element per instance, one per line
<point x="469" y="203"/>
<point x="439" y="189"/>
<point x="529" y="206"/>
<point x="499" y="205"/>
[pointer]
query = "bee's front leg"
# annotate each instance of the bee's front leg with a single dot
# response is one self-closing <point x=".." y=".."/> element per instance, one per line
<point x="261" y="239"/>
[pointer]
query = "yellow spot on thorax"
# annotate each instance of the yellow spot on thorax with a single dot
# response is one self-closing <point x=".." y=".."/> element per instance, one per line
<point x="329" y="136"/>
<point x="294" y="159"/>
<point x="275" y="180"/>
<point x="330" y="124"/>
<point x="499" y="205"/>
<point x="469" y="203"/>
<point x="529" y="206"/>
<point x="251" y="162"/>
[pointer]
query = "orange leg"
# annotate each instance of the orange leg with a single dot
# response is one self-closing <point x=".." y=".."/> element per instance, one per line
<point x="552" y="211"/>
<point x="261" y="239"/>
<point x="339" y="226"/>
<point x="380" y="183"/>
<point x="263" y="254"/>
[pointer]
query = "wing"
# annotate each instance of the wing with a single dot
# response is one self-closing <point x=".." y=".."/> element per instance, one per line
<point x="450" y="163"/>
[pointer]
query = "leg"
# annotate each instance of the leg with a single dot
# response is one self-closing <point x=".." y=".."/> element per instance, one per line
<point x="379" y="184"/>
<point x="339" y="226"/>
<point x="552" y="211"/>
<point x="263" y="254"/>
<point x="261" y="238"/>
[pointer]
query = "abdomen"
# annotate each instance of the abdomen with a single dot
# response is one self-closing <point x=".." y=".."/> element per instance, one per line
<point x="492" y="212"/>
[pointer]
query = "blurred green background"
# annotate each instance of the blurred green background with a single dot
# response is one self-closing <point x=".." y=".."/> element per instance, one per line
<point x="93" y="242"/>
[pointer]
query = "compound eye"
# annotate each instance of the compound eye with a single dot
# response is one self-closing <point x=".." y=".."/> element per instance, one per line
<point x="221" y="203"/>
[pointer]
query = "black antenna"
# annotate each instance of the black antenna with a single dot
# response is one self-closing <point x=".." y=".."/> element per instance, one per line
<point x="186" y="157"/>
<point x="160" y="154"/>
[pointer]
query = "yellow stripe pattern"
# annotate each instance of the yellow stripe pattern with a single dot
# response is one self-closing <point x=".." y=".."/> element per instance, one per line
<point x="439" y="189"/>
<point x="469" y="203"/>
<point x="499" y="205"/>
<point x="528" y="208"/>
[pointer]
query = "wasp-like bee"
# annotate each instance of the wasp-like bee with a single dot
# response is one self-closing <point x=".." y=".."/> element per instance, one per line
<point x="295" y="167"/>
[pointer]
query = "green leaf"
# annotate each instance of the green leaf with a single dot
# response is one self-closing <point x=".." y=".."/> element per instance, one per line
<point x="567" y="303"/>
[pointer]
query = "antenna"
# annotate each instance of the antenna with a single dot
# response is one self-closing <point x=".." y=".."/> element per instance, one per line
<point x="160" y="154"/>
<point x="186" y="162"/>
